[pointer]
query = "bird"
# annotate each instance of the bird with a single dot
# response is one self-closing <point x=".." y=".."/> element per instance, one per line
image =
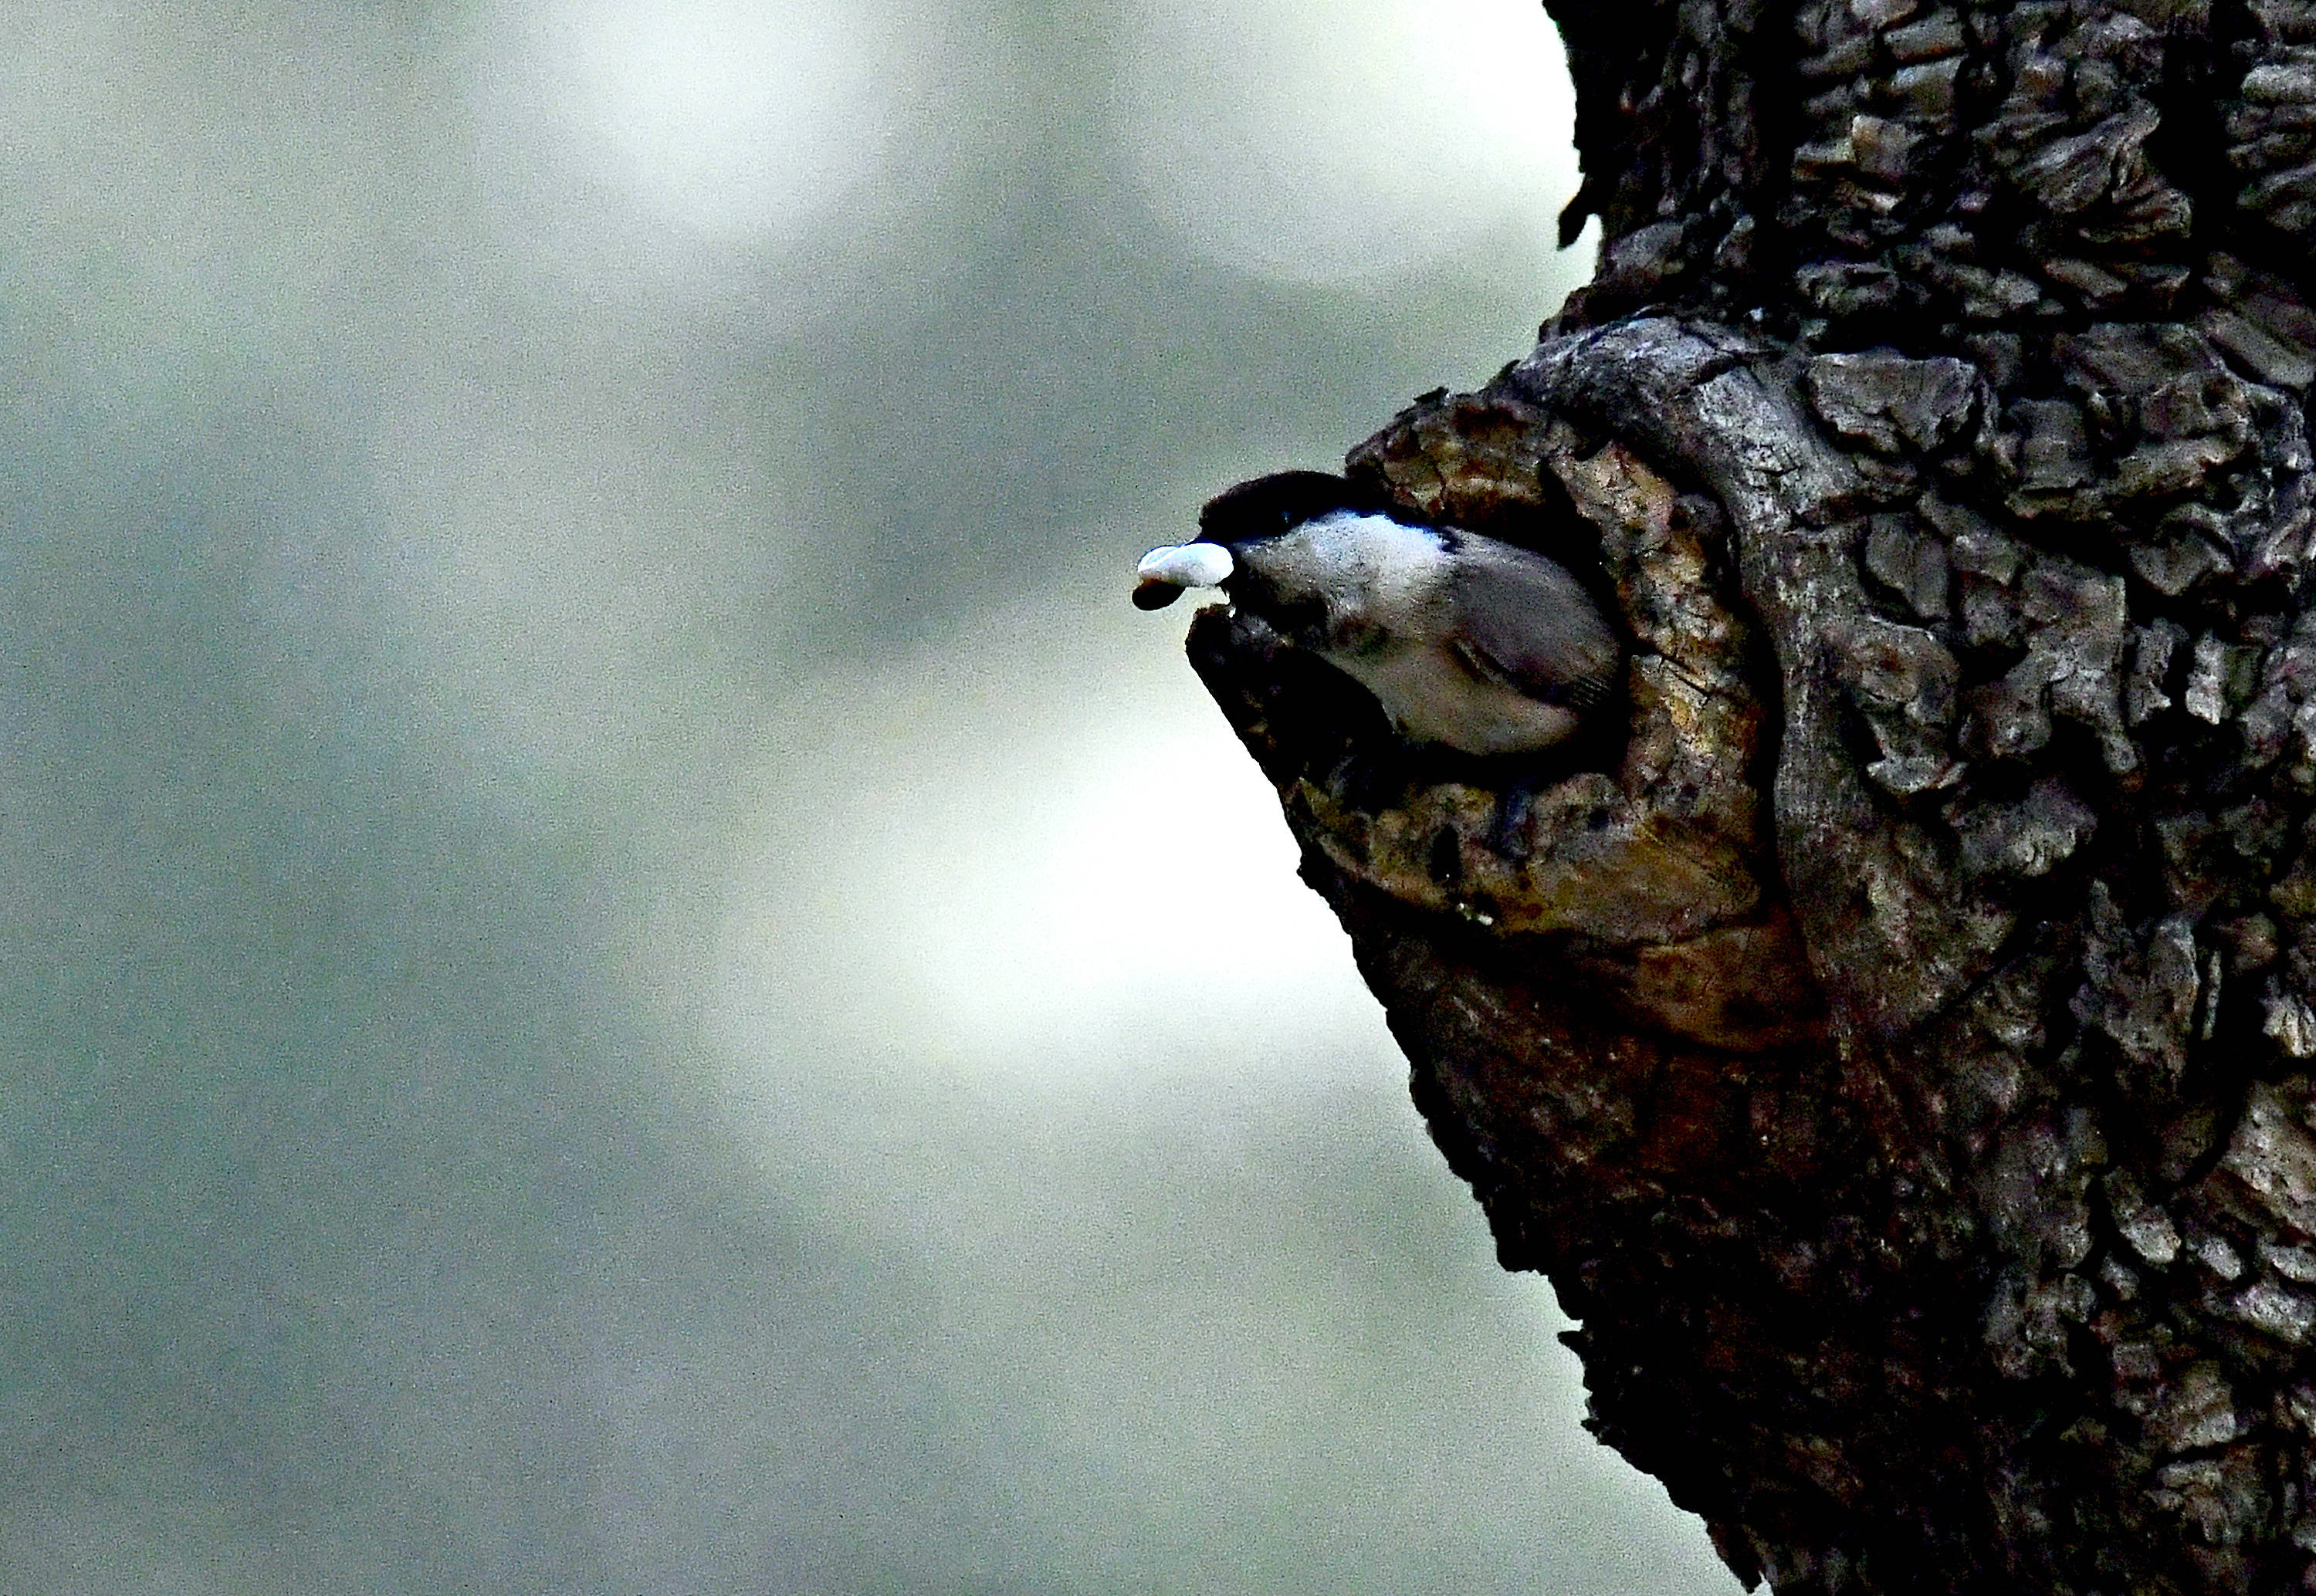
<point x="1465" y="640"/>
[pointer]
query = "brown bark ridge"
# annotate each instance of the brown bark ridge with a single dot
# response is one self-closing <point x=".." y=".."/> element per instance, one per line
<point x="1893" y="1034"/>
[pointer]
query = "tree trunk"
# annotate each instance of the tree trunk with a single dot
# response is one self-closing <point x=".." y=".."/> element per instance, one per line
<point x="1890" y="1031"/>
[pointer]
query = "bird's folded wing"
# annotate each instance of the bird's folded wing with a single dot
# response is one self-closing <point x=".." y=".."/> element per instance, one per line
<point x="1522" y="621"/>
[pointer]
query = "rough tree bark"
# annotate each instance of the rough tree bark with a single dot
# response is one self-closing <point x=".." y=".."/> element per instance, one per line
<point x="1892" y="1035"/>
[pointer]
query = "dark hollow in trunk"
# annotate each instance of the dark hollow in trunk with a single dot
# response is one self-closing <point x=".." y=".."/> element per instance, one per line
<point x="1892" y="1036"/>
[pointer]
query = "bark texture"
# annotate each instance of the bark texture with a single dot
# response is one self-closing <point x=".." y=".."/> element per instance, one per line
<point x="1891" y="1031"/>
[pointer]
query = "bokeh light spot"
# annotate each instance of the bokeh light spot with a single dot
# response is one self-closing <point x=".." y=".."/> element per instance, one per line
<point x="1347" y="144"/>
<point x="725" y="120"/>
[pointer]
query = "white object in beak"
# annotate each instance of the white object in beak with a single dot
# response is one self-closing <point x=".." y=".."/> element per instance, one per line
<point x="1187" y="564"/>
<point x="1165" y="571"/>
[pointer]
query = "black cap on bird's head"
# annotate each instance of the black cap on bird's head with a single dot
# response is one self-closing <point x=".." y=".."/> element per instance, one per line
<point x="1270" y="505"/>
<point x="1266" y="506"/>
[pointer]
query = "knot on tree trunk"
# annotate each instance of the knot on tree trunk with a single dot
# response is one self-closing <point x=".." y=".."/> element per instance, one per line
<point x="1655" y="873"/>
<point x="1885" y="1027"/>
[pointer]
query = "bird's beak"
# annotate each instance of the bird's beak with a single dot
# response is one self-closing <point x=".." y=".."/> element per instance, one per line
<point x="1165" y="571"/>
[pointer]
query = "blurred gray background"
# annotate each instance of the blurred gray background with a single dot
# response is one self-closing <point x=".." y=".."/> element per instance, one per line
<point x="610" y="978"/>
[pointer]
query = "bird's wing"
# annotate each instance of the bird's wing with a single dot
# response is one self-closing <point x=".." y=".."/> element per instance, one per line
<point x="1522" y="621"/>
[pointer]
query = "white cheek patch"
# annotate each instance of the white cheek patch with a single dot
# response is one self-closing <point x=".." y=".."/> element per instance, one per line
<point x="1187" y="564"/>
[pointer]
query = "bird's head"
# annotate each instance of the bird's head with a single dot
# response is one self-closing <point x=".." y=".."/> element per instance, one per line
<point x="1246" y="540"/>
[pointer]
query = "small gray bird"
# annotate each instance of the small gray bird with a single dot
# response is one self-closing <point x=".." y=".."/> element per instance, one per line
<point x="1480" y="646"/>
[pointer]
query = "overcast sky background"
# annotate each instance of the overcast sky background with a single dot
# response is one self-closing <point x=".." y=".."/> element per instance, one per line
<point x="597" y="986"/>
